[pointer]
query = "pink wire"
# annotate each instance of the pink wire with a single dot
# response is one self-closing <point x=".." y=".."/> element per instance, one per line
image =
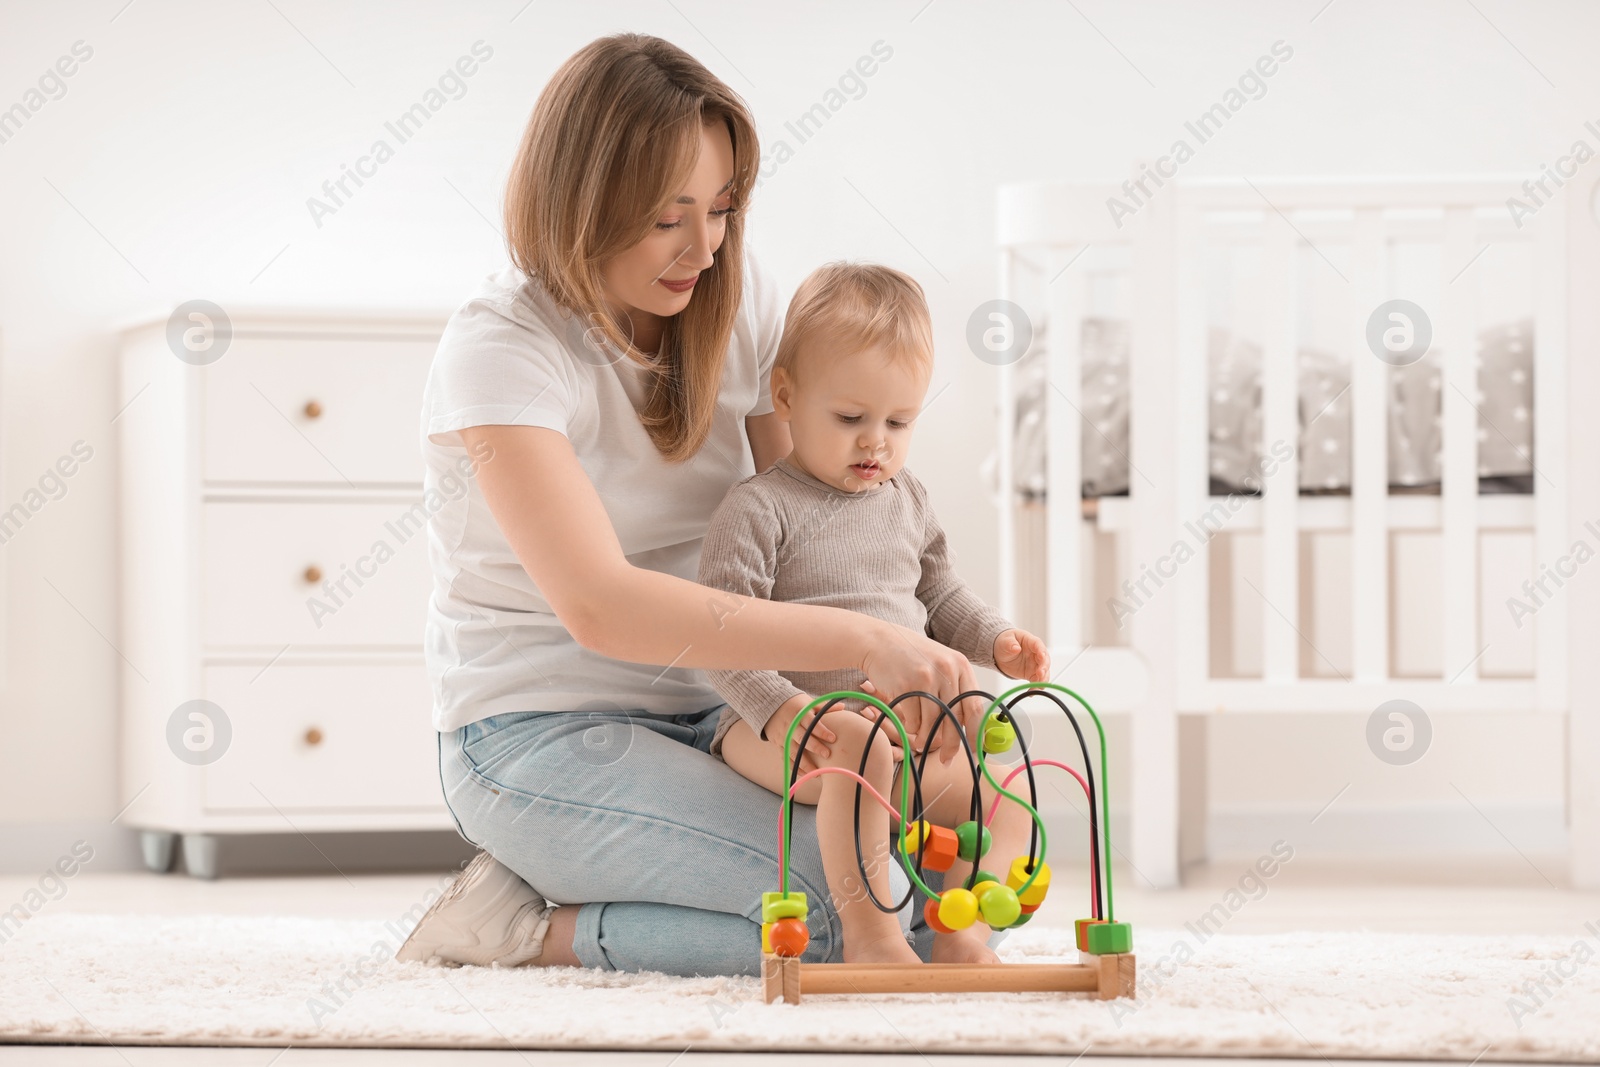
<point x="804" y="778"/>
<point x="1094" y="875"/>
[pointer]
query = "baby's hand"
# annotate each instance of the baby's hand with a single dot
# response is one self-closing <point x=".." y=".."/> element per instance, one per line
<point x="1019" y="654"/>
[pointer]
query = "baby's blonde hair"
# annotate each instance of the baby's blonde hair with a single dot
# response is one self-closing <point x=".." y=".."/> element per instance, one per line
<point x="855" y="306"/>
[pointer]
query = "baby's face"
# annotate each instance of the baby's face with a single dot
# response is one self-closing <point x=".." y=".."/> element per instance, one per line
<point x="851" y="416"/>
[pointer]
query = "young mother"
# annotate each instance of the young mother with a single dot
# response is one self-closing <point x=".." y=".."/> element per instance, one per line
<point x="584" y="415"/>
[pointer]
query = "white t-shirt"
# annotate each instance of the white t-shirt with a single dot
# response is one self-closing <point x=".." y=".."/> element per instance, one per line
<point x="511" y="356"/>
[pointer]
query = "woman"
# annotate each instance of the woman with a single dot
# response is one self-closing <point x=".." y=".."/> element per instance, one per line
<point x="583" y="417"/>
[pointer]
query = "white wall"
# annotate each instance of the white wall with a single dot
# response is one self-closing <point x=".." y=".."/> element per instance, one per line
<point x="178" y="164"/>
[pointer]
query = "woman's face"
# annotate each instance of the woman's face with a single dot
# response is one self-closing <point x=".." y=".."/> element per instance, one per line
<point x="655" y="278"/>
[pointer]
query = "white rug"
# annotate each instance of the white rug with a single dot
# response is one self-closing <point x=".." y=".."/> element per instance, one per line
<point x="258" y="981"/>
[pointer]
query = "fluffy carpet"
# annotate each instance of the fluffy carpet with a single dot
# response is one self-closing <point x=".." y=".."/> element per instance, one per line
<point x="306" y="982"/>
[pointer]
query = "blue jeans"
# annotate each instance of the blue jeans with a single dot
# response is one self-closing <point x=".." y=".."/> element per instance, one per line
<point x="667" y="849"/>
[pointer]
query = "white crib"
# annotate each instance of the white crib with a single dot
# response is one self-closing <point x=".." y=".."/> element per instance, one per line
<point x="1338" y="232"/>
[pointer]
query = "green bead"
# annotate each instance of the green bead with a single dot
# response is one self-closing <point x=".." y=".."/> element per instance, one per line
<point x="999" y="735"/>
<point x="1000" y="907"/>
<point x="985" y="876"/>
<point x="775" y="906"/>
<point x="967" y="836"/>
<point x="1021" y="919"/>
<point x="1108" y="938"/>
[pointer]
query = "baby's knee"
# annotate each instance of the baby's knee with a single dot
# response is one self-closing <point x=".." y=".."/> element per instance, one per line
<point x="853" y="741"/>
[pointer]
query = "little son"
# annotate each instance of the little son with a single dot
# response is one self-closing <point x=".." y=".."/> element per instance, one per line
<point x="840" y="521"/>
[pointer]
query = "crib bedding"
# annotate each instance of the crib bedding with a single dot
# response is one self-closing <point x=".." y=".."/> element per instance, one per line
<point x="1504" y="402"/>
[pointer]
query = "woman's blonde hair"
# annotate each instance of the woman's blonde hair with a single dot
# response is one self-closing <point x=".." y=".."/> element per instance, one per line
<point x="843" y="307"/>
<point x="611" y="142"/>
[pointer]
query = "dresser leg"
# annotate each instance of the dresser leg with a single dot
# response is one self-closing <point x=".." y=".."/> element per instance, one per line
<point x="200" y="855"/>
<point x="156" y="846"/>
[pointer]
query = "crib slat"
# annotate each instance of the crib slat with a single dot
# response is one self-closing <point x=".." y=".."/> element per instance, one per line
<point x="1553" y="532"/>
<point x="1280" y="434"/>
<point x="1190" y="441"/>
<point x="1067" y="302"/>
<point x="1455" y="334"/>
<point x="1005" y="465"/>
<point x="1369" y="456"/>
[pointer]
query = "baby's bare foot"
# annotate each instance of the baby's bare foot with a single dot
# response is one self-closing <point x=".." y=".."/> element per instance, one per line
<point x="885" y="948"/>
<point x="963" y="946"/>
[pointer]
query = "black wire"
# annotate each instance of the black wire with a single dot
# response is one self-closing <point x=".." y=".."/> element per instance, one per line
<point x="1088" y="768"/>
<point x="861" y="866"/>
<point x="1033" y="786"/>
<point x="927" y="750"/>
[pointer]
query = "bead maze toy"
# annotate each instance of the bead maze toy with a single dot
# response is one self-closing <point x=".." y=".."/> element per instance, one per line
<point x="1106" y="967"/>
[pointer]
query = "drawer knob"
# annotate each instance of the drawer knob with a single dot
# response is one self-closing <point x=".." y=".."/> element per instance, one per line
<point x="313" y="409"/>
<point x="313" y="574"/>
<point x="313" y="736"/>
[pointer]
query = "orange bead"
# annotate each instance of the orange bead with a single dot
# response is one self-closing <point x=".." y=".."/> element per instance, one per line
<point x="942" y="849"/>
<point x="930" y="913"/>
<point x="789" y="937"/>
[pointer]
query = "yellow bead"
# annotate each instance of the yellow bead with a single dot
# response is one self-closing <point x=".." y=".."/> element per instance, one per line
<point x="958" y="908"/>
<point x="1019" y="875"/>
<point x="766" y="937"/>
<point x="914" y="834"/>
<point x="980" y="888"/>
<point x="775" y="906"/>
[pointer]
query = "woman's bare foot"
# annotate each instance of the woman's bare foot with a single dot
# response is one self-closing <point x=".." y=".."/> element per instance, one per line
<point x="963" y="946"/>
<point x="890" y="947"/>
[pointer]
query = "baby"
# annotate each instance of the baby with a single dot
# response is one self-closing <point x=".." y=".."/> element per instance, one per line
<point x="840" y="521"/>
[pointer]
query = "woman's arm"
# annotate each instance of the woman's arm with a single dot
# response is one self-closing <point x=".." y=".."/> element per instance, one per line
<point x="556" y="524"/>
<point x="769" y="439"/>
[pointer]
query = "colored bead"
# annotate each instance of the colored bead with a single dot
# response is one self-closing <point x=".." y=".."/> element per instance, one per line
<point x="982" y="886"/>
<point x="1019" y="875"/>
<point x="1029" y="909"/>
<point x="775" y="906"/>
<point x="1082" y="928"/>
<point x="930" y="914"/>
<point x="1000" y="907"/>
<point x="789" y="937"/>
<point x="914" y="835"/>
<point x="766" y="937"/>
<point x="958" y="909"/>
<point x="941" y="849"/>
<point x="984" y="876"/>
<point x="999" y="735"/>
<point x="1108" y="938"/>
<point x="967" y="835"/>
<point x="1022" y="920"/>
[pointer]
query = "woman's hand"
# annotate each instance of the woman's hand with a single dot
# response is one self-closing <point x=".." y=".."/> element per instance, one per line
<point x="903" y="660"/>
<point x="1019" y="654"/>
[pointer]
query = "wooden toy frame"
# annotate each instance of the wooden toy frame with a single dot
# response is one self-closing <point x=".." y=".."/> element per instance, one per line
<point x="1106" y="975"/>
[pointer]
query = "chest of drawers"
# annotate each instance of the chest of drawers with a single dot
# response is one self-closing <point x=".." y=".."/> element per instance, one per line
<point x="274" y="579"/>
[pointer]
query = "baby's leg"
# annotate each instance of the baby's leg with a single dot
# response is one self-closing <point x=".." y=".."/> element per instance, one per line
<point x="947" y="792"/>
<point x="870" y="935"/>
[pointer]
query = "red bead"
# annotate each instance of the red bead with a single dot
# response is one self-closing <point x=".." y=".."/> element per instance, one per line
<point x="930" y="912"/>
<point x="789" y="937"/>
<point x="1029" y="909"/>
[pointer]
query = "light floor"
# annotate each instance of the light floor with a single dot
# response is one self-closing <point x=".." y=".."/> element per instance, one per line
<point x="1466" y="895"/>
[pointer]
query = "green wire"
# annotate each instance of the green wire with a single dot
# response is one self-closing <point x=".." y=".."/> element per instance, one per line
<point x="1105" y="785"/>
<point x="905" y="792"/>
